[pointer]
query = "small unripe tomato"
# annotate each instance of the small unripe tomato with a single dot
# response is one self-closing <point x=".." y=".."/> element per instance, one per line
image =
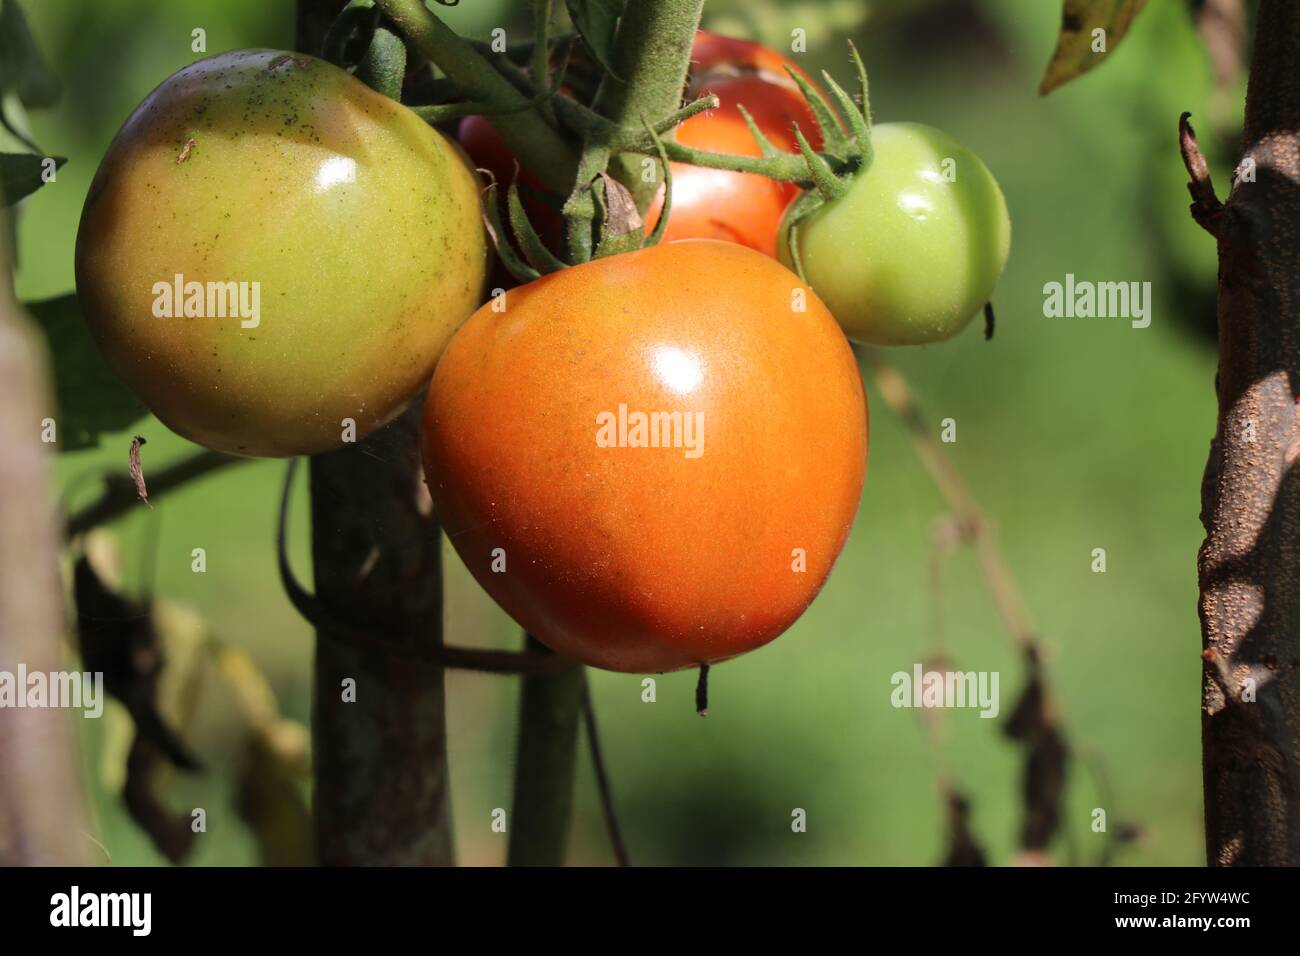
<point x="272" y="255"/>
<point x="914" y="248"/>
<point x="650" y="461"/>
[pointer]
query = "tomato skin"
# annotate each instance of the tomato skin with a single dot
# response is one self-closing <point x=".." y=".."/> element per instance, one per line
<point x="359" y="223"/>
<point x="907" y="257"/>
<point x="641" y="559"/>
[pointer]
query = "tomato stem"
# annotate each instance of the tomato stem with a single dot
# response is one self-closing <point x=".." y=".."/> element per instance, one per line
<point x="541" y="52"/>
<point x="383" y="68"/>
<point x="702" y="692"/>
<point x="538" y="144"/>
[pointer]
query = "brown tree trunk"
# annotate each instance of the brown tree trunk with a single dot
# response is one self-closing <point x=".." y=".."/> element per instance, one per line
<point x="380" y="754"/>
<point x="1249" y="564"/>
<point x="379" y="735"/>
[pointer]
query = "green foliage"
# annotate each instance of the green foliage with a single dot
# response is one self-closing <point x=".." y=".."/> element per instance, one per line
<point x="92" y="400"/>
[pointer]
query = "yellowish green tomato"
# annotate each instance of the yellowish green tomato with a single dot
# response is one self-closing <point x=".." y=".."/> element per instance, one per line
<point x="912" y="251"/>
<point x="273" y="256"/>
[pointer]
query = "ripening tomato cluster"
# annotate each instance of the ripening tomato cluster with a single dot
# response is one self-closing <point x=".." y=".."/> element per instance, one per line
<point x="651" y="460"/>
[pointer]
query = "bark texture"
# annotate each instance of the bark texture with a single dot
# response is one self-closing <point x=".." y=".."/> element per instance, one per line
<point x="380" y="760"/>
<point x="1249" y="564"/>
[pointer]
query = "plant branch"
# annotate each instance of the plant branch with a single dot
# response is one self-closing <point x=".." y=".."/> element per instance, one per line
<point x="1034" y="722"/>
<point x="333" y="623"/>
<point x="119" y="495"/>
<point x="1249" y="563"/>
<point x="545" y="758"/>
<point x="602" y="777"/>
<point x="537" y="144"/>
<point x="1206" y="208"/>
<point x="652" y="56"/>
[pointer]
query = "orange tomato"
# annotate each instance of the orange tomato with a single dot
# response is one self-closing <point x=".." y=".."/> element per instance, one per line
<point x="718" y="204"/>
<point x="650" y="461"/>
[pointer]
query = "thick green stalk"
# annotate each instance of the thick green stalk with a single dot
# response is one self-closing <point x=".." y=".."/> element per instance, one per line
<point x="652" y="55"/>
<point x="549" y="707"/>
<point x="538" y="145"/>
<point x="541" y="52"/>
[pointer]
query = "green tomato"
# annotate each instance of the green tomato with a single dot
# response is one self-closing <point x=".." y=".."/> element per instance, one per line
<point x="273" y="256"/>
<point x="915" y="246"/>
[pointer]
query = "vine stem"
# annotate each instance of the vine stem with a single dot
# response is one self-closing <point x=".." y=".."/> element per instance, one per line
<point x="536" y="143"/>
<point x="651" y="57"/>
<point x="119" y="495"/>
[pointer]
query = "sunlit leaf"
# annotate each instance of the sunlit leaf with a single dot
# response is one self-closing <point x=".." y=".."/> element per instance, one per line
<point x="1090" y="31"/>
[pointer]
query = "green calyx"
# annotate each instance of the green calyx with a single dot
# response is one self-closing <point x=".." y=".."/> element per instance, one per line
<point x="847" y="153"/>
<point x="587" y="113"/>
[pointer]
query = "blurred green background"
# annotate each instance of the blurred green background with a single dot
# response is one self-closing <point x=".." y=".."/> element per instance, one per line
<point x="1075" y="434"/>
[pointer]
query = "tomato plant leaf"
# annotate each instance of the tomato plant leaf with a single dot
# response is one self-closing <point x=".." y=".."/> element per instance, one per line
<point x="1090" y="30"/>
<point x="21" y="66"/>
<point x="597" y="23"/>
<point x="91" y="399"/>
<point x="21" y="174"/>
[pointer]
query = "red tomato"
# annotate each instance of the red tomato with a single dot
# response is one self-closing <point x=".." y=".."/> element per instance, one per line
<point x="713" y="52"/>
<point x="487" y="149"/>
<point x="639" y="554"/>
